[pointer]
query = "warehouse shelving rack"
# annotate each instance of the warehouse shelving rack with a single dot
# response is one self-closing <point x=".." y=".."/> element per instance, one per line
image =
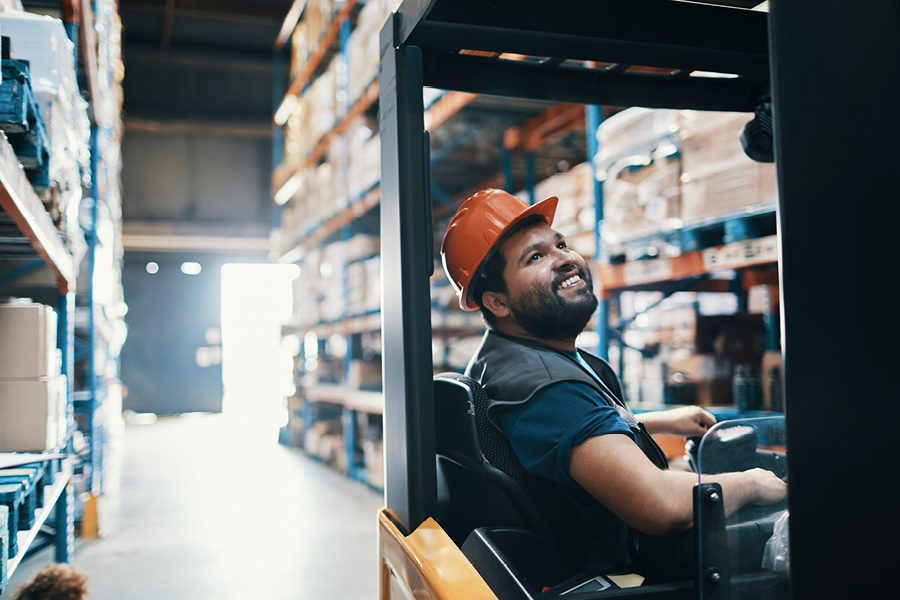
<point x="28" y="231"/>
<point x="528" y="127"/>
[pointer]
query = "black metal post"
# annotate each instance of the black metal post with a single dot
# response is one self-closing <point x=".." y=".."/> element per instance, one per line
<point x="406" y="263"/>
<point x="836" y="89"/>
<point x="713" y="574"/>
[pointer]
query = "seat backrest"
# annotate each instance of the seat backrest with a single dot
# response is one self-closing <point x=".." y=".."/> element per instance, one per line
<point x="479" y="469"/>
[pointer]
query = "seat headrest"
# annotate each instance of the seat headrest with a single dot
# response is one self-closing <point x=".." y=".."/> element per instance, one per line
<point x="454" y="408"/>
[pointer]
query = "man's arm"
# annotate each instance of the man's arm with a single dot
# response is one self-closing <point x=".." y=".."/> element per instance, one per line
<point x="615" y="472"/>
<point x="685" y="420"/>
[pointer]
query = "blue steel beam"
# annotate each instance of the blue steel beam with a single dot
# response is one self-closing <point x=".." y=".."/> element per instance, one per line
<point x="454" y="144"/>
<point x="593" y="119"/>
<point x="529" y="177"/>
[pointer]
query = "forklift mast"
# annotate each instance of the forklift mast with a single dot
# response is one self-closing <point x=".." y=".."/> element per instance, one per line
<point x="833" y="72"/>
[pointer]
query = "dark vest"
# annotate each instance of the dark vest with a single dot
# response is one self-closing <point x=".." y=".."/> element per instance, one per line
<point x="512" y="371"/>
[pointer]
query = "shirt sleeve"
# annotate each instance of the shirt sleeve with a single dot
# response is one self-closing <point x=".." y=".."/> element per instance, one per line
<point x="543" y="431"/>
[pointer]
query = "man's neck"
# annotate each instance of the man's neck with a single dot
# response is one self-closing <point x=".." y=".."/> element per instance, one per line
<point x="515" y="330"/>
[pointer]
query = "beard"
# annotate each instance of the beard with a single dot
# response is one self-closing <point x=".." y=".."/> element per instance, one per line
<point x="543" y="313"/>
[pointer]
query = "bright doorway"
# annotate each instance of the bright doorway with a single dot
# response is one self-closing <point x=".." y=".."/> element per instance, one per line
<point x="256" y="364"/>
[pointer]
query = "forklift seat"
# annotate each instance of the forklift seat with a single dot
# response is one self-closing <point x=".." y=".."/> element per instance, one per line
<point x="481" y="482"/>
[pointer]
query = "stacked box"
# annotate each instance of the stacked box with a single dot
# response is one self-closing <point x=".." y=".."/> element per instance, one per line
<point x="373" y="459"/>
<point x="33" y="413"/>
<point x="718" y="178"/>
<point x="631" y="133"/>
<point x="364" y="375"/>
<point x="364" y="160"/>
<point x="306" y="302"/>
<point x="575" y="190"/>
<point x="309" y="31"/>
<point x="703" y="379"/>
<point x="4" y="545"/>
<point x="364" y="286"/>
<point x="42" y="41"/>
<point x="362" y="50"/>
<point x="313" y="115"/>
<point x="332" y="286"/>
<point x="641" y="199"/>
<point x="362" y="246"/>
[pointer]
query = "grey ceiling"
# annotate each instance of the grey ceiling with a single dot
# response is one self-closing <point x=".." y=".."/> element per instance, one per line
<point x="198" y="109"/>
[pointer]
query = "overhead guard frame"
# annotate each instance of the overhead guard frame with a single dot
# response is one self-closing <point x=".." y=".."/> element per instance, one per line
<point x="820" y="153"/>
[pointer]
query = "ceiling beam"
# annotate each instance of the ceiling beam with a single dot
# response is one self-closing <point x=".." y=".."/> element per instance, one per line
<point x="262" y="131"/>
<point x="205" y="57"/>
<point x="226" y="10"/>
<point x="168" y="236"/>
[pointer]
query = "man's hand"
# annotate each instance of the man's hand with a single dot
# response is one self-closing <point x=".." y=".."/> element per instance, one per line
<point x="769" y="488"/>
<point x="685" y="420"/>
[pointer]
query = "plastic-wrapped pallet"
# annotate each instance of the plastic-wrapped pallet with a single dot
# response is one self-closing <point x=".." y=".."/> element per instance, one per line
<point x="373" y="283"/>
<point x="718" y="178"/>
<point x="362" y="49"/>
<point x="110" y="67"/>
<point x="641" y="199"/>
<point x="362" y="245"/>
<point x="42" y="41"/>
<point x="356" y="290"/>
<point x="633" y="132"/>
<point x="575" y="189"/>
<point x="364" y="166"/>
<point x="4" y="545"/>
<point x="331" y="271"/>
<point x="306" y="302"/>
<point x="309" y="31"/>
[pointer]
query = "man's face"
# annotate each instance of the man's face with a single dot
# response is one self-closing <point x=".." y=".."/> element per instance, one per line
<point x="550" y="289"/>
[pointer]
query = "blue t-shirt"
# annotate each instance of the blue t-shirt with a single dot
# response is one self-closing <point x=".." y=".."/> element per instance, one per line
<point x="543" y="431"/>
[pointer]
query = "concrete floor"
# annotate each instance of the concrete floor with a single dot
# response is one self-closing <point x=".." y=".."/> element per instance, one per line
<point x="205" y="512"/>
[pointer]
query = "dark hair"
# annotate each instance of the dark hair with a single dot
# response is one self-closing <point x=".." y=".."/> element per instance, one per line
<point x="489" y="277"/>
<point x="54" y="582"/>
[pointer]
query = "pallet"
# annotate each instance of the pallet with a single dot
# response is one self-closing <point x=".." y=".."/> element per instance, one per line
<point x="4" y="546"/>
<point x="20" y="119"/>
<point x="729" y="230"/>
<point x="18" y="108"/>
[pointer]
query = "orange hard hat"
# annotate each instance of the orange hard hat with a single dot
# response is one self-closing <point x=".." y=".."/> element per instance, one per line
<point x="482" y="221"/>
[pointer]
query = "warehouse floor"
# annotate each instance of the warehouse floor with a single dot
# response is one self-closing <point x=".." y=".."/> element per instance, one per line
<point x="205" y="512"/>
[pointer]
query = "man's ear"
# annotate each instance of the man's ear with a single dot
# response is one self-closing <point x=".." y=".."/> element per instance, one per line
<point x="496" y="303"/>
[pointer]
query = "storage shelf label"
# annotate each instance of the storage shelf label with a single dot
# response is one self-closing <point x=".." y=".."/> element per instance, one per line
<point x="741" y="254"/>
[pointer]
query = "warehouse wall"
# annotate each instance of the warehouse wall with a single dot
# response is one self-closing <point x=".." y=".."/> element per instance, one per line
<point x="168" y="318"/>
<point x="211" y="179"/>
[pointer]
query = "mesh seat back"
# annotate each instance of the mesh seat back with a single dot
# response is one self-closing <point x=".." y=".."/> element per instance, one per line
<point x="545" y="506"/>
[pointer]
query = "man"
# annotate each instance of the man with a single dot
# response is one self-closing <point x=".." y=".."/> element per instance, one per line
<point x="560" y="408"/>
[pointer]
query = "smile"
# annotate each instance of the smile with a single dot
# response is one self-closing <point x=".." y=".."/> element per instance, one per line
<point x="567" y="283"/>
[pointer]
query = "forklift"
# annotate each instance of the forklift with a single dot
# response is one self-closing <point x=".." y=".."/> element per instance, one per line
<point x="822" y="79"/>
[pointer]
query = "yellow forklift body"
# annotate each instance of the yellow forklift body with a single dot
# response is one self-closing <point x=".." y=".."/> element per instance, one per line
<point x="425" y="564"/>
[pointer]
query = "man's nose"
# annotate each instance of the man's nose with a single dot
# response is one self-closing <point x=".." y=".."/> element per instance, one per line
<point x="564" y="260"/>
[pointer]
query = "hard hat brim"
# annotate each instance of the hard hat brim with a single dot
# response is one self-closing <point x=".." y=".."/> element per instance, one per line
<point x="545" y="209"/>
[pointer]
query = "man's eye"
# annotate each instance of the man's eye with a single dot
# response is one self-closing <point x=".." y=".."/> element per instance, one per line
<point x="535" y="257"/>
<point x="562" y="246"/>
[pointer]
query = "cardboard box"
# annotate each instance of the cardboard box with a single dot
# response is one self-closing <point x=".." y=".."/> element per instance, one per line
<point x="32" y="414"/>
<point x="364" y="375"/>
<point x="641" y="201"/>
<point x="373" y="458"/>
<point x="772" y="377"/>
<point x="700" y="367"/>
<point x="718" y="178"/>
<point x="28" y="341"/>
